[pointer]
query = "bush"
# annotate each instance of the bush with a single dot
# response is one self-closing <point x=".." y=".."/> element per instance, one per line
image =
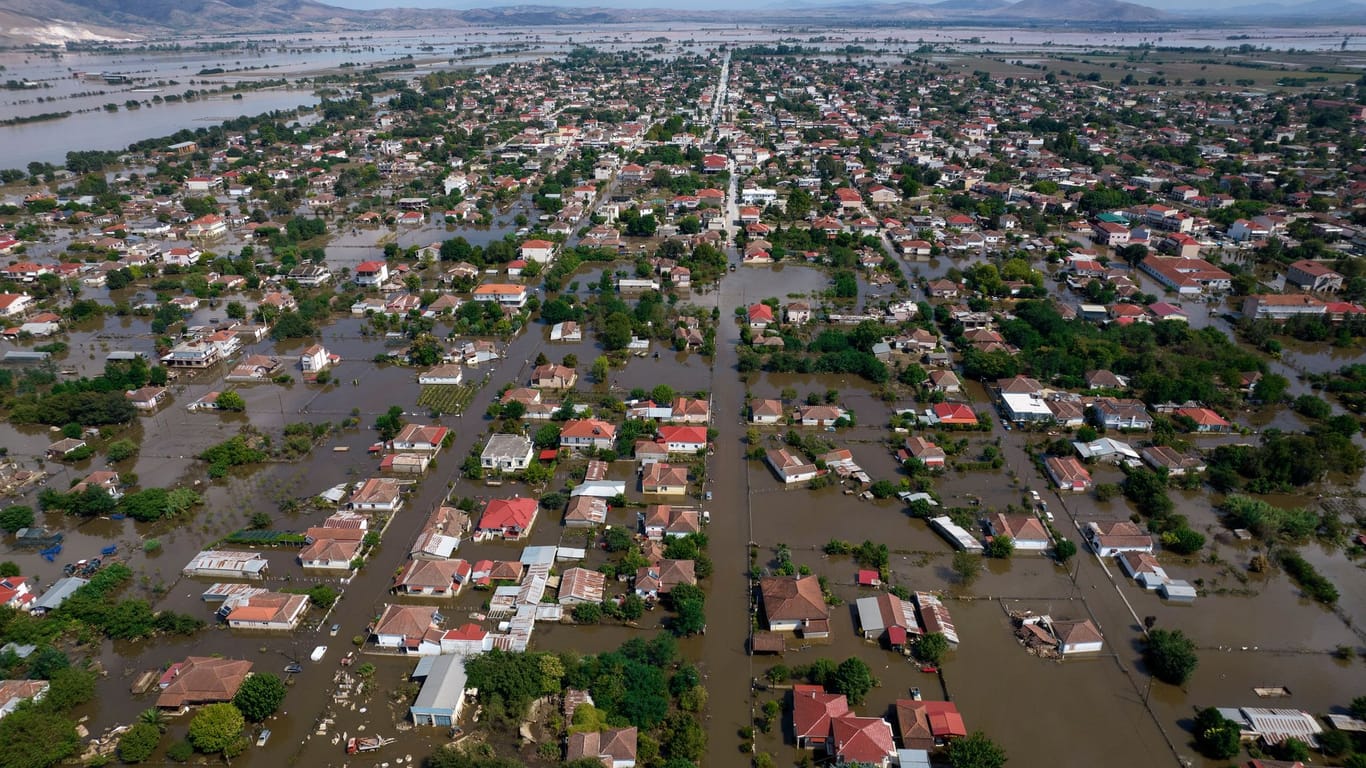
<point x="180" y="752"/>
<point x="259" y="696"/>
<point x="1313" y="583"/>
<point x="1216" y="736"/>
<point x="1065" y="549"/>
<point x="139" y="742"/>
<point x="1183" y="541"/>
<point x="587" y="613"/>
<point x="16" y="516"/>
<point x="215" y="728"/>
<point x="1170" y="656"/>
<point x="122" y="449"/>
<point x="1000" y="547"/>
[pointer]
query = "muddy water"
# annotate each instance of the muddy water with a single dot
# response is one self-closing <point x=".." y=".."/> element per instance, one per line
<point x="723" y="659"/>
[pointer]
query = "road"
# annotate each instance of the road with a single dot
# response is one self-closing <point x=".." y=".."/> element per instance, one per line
<point x="724" y="659"/>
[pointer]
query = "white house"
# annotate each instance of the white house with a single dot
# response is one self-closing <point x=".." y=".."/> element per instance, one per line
<point x="507" y="453"/>
<point x="442" y="375"/>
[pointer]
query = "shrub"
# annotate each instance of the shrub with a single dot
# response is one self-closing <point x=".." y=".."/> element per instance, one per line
<point x="1313" y="583"/>
<point x="139" y="742"/>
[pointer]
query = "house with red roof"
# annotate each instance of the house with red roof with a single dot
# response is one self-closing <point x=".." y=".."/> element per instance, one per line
<point x="371" y="274"/>
<point x="1205" y="420"/>
<point x="1068" y="473"/>
<point x="15" y="592"/>
<point x="955" y="414"/>
<point x="586" y="434"/>
<point x="812" y="711"/>
<point x="862" y="741"/>
<point x="760" y="316"/>
<point x="509" y="519"/>
<point x="684" y="439"/>
<point x="927" y="724"/>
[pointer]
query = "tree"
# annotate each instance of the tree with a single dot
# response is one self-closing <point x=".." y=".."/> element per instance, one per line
<point x="139" y="742"/>
<point x="1270" y="388"/>
<point x="259" y="696"/>
<point x="616" y="331"/>
<point x="390" y="422"/>
<point x="689" y="603"/>
<point x="215" y="728"/>
<point x="16" y="516"/>
<point x="602" y="368"/>
<point x="322" y="596"/>
<point x="230" y="401"/>
<point x="425" y="350"/>
<point x="1358" y="707"/>
<point x="883" y="489"/>
<point x="46" y="663"/>
<point x="930" y="648"/>
<point x="853" y="679"/>
<point x="1312" y="407"/>
<point x="967" y="566"/>
<point x="1001" y="547"/>
<point x="1215" y="735"/>
<point x="69" y="687"/>
<point x="34" y="737"/>
<point x="122" y="449"/>
<point x="976" y="751"/>
<point x="1293" y="750"/>
<point x="1170" y="655"/>
<point x="1065" y="550"/>
<point x="9" y="568"/>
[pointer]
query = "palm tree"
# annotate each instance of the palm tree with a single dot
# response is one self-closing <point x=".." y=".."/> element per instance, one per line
<point x="153" y="716"/>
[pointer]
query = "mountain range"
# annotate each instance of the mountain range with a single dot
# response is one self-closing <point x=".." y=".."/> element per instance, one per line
<point x="24" y="21"/>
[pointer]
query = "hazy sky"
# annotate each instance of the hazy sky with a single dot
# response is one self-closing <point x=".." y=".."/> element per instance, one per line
<point x="1176" y="5"/>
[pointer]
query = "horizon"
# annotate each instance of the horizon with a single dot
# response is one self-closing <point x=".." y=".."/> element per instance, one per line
<point x="1170" y="6"/>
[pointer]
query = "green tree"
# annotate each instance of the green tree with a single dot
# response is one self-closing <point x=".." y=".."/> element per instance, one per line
<point x="122" y="449"/>
<point x="139" y="742"/>
<point x="230" y="401"/>
<point x="616" y="331"/>
<point x="967" y="566"/>
<point x="425" y="350"/>
<point x="16" y="516"/>
<point x="69" y="687"/>
<point x="689" y="605"/>
<point x="1065" y="549"/>
<point x="34" y="737"/>
<point x="1216" y="736"/>
<point x="1170" y="655"/>
<point x="46" y="662"/>
<point x="602" y="368"/>
<point x="854" y="679"/>
<point x="259" y="696"/>
<point x="1001" y="547"/>
<point x="390" y="422"/>
<point x="931" y="647"/>
<point x="1270" y="388"/>
<point x="975" y="751"/>
<point x="215" y="728"/>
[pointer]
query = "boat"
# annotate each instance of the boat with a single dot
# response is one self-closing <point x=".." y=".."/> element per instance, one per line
<point x="335" y="629"/>
<point x="318" y="652"/>
<point x="356" y="744"/>
<point x="263" y="738"/>
<point x="294" y="668"/>
<point x="930" y="669"/>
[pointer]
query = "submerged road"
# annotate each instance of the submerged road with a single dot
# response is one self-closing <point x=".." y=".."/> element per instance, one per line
<point x="724" y="660"/>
